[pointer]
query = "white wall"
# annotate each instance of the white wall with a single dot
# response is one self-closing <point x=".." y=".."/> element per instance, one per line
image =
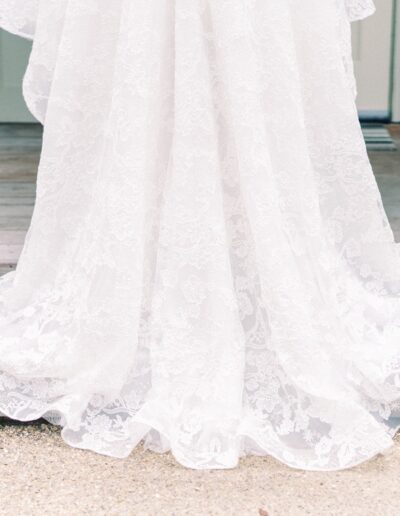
<point x="14" y="54"/>
<point x="372" y="45"/>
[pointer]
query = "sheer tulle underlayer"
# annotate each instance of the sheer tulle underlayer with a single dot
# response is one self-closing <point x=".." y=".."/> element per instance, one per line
<point x="209" y="266"/>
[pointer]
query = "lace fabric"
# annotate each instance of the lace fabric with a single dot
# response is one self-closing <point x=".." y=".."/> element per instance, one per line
<point x="19" y="16"/>
<point x="359" y="9"/>
<point x="350" y="11"/>
<point x="209" y="266"/>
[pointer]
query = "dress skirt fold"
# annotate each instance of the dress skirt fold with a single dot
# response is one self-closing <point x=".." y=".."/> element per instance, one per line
<point x="209" y="267"/>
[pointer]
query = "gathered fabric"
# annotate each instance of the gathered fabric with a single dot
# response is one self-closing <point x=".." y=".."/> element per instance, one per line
<point x="209" y="267"/>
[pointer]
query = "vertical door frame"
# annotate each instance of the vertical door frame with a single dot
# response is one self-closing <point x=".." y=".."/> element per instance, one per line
<point x="395" y="82"/>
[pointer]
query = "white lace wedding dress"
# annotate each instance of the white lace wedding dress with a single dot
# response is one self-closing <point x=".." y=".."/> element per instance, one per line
<point x="209" y="267"/>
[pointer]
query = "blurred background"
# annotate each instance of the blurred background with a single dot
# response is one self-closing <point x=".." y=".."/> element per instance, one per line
<point x="376" y="47"/>
<point x="376" y="55"/>
<point x="376" y="51"/>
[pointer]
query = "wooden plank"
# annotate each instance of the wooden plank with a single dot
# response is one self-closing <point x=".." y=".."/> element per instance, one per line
<point x="19" y="211"/>
<point x="9" y="253"/>
<point x="16" y="201"/>
<point x="20" y="131"/>
<point x="11" y="243"/>
<point x="15" y="224"/>
<point x="4" y="269"/>
<point x="12" y="237"/>
<point x="17" y="189"/>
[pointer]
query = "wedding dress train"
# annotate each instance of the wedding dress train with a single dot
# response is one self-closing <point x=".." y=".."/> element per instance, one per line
<point x="209" y="267"/>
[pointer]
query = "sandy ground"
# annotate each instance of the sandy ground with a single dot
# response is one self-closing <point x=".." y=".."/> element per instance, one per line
<point x="40" y="474"/>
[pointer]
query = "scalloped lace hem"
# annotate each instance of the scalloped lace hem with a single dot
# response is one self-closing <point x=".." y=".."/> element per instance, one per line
<point x="247" y="441"/>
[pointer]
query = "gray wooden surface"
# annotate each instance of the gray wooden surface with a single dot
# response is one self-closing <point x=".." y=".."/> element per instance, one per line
<point x="20" y="146"/>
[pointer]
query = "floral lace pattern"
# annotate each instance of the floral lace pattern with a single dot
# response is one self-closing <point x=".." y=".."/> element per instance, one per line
<point x="19" y="16"/>
<point x="359" y="9"/>
<point x="349" y="11"/>
<point x="209" y="266"/>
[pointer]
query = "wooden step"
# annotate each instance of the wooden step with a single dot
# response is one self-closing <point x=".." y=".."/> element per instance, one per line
<point x="11" y="243"/>
<point x="4" y="269"/>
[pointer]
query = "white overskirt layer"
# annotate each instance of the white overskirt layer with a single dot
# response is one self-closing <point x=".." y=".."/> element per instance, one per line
<point x="209" y="266"/>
